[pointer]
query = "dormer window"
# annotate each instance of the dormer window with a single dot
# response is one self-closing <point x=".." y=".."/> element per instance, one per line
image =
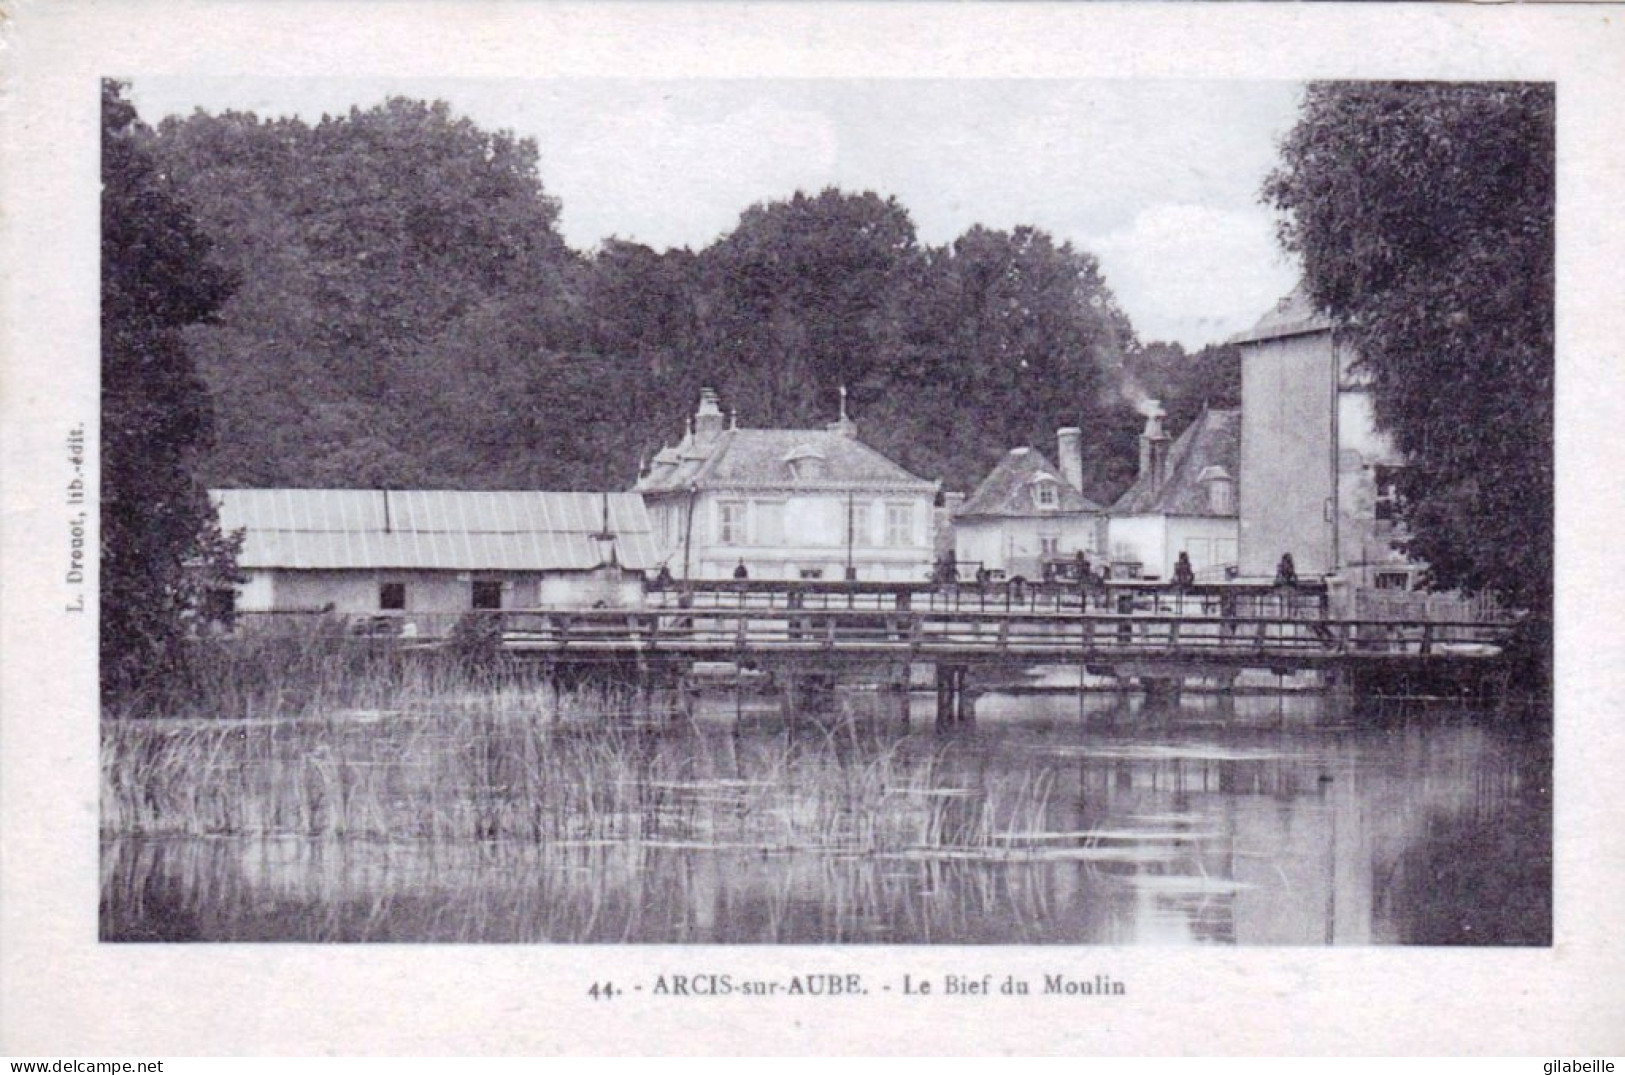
<point x="1221" y="490"/>
<point x="1046" y="494"/>
<point x="806" y="463"/>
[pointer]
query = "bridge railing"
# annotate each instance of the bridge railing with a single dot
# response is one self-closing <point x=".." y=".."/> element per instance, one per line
<point x="1055" y="632"/>
<point x="1240" y="600"/>
<point x="983" y="633"/>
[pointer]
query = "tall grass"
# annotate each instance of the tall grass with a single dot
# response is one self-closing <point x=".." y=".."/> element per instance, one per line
<point x="541" y="766"/>
<point x="317" y="734"/>
<point x="535" y="809"/>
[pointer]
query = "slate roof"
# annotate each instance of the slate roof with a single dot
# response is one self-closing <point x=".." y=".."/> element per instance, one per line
<point x="1213" y="440"/>
<point x="1294" y="315"/>
<point x="760" y="458"/>
<point x="313" y="529"/>
<point x="1009" y="490"/>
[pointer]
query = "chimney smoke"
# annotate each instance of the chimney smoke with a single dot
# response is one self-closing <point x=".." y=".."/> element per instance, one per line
<point x="1154" y="445"/>
<point x="1069" y="449"/>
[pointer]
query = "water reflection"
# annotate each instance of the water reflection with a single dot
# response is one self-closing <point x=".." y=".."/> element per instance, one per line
<point x="1053" y="819"/>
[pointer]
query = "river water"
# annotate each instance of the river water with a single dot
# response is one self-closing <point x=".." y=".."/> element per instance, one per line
<point x="1052" y="819"/>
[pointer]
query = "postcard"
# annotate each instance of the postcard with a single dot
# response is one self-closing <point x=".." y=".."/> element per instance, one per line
<point x="810" y="529"/>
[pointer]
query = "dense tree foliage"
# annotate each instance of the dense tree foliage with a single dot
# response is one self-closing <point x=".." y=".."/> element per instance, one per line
<point x="410" y="316"/>
<point x="1183" y="383"/>
<point x="390" y="259"/>
<point x="1424" y="217"/>
<point x="160" y="541"/>
<point x="1008" y="336"/>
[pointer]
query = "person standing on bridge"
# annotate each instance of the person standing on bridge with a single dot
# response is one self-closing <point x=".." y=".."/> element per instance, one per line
<point x="1184" y="575"/>
<point x="739" y="572"/>
<point x="1286" y="572"/>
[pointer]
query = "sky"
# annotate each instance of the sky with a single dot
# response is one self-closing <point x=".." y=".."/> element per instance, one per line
<point x="1158" y="179"/>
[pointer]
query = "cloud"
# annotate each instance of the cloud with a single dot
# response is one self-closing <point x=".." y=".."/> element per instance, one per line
<point x="1195" y="274"/>
<point x="663" y="177"/>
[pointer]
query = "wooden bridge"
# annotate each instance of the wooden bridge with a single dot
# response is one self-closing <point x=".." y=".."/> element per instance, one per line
<point x="877" y="632"/>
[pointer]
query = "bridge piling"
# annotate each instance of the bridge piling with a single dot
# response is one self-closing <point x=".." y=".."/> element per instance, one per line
<point x="954" y="704"/>
<point x="1162" y="690"/>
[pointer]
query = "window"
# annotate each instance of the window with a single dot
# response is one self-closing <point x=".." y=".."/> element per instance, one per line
<point x="807" y="468"/>
<point x="1049" y="546"/>
<point x="731" y="522"/>
<point x="1044" y="494"/>
<point x="857" y="532"/>
<point x="899" y="525"/>
<point x="1392" y="580"/>
<point x="1221" y="489"/>
<point x="487" y="594"/>
<point x="812" y="572"/>
<point x="1389" y="504"/>
<point x="769" y="522"/>
<point x="392" y="597"/>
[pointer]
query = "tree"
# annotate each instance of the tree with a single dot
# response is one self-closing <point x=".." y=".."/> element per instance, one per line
<point x="1423" y="214"/>
<point x="160" y="540"/>
<point x="372" y="249"/>
<point x="1183" y="383"/>
<point x="801" y="299"/>
<point x="409" y="315"/>
<point x="1008" y="336"/>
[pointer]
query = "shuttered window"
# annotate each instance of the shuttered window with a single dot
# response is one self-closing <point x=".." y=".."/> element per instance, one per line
<point x="899" y="525"/>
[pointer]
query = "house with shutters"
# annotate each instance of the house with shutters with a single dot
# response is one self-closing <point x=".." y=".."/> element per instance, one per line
<point x="424" y="557"/>
<point x="785" y="504"/>
<point x="1184" y="498"/>
<point x="1028" y="512"/>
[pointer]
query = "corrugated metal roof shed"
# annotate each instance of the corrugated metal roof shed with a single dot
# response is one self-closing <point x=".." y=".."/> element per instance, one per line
<point x="315" y="529"/>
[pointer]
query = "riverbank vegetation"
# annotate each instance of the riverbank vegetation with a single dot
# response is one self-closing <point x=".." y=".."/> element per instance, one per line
<point x="410" y="315"/>
<point x="1424" y="216"/>
<point x="292" y="741"/>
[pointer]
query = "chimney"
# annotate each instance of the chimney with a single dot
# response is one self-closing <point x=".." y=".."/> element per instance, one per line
<point x="1154" y="446"/>
<point x="1069" y="449"/>
<point x="708" y="419"/>
<point x="845" y="426"/>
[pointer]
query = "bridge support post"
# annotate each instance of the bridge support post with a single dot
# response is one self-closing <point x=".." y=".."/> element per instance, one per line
<point x="1164" y="690"/>
<point x="954" y="704"/>
<point x="1340" y="686"/>
<point x="802" y="692"/>
<point x="1227" y="695"/>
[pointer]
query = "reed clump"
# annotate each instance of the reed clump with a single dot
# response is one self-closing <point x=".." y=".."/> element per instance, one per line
<point x="543" y="768"/>
<point x="321" y="735"/>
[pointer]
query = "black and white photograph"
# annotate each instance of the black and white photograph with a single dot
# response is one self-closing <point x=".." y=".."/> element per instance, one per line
<point x="789" y="575"/>
<point x="746" y="533"/>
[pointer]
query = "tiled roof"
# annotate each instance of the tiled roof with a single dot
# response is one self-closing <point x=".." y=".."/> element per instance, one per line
<point x="762" y="457"/>
<point x="1212" y="441"/>
<point x="1292" y="316"/>
<point x="1009" y="489"/>
<point x="314" y="529"/>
